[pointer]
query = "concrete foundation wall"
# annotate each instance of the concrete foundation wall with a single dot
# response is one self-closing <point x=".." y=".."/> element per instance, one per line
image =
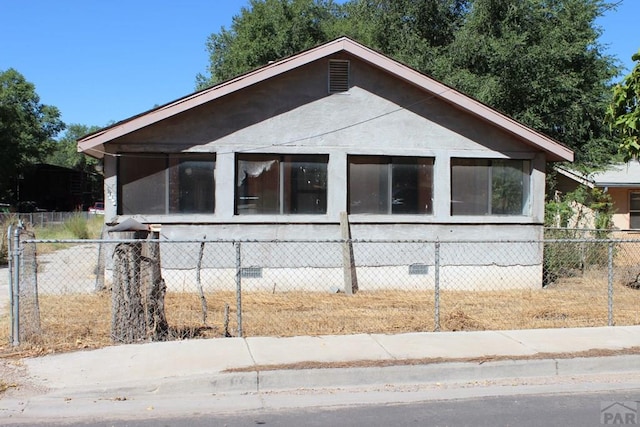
<point x="330" y="280"/>
<point x="319" y="266"/>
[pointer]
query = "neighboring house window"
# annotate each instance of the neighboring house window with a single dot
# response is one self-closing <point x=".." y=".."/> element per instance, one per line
<point x="390" y="185"/>
<point x="489" y="187"/>
<point x="281" y="184"/>
<point x="166" y="184"/>
<point x="634" y="209"/>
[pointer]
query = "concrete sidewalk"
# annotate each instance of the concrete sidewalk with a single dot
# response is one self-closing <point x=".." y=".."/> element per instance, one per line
<point x="258" y="364"/>
<point x="173" y="370"/>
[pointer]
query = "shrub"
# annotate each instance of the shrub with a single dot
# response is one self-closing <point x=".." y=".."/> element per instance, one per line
<point x="564" y="259"/>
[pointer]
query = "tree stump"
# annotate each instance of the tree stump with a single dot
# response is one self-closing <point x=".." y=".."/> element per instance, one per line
<point x="138" y="290"/>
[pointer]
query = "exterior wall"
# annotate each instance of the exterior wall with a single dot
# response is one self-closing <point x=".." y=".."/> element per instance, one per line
<point x="370" y="279"/>
<point x="620" y="197"/>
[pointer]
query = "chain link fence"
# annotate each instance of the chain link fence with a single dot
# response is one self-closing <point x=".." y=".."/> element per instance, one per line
<point x="42" y="219"/>
<point x="79" y="293"/>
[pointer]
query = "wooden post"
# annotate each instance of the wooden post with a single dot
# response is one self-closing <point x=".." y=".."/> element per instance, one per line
<point x="203" y="299"/>
<point x="348" y="262"/>
<point x="100" y="267"/>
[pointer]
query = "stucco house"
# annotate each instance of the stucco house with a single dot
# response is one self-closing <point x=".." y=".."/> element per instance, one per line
<point x="280" y="152"/>
<point x="620" y="181"/>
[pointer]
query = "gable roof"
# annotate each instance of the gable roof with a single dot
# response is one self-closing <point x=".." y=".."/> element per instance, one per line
<point x="93" y="144"/>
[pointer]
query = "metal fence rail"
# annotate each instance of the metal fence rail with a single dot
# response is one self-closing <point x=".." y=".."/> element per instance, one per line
<point x="214" y="288"/>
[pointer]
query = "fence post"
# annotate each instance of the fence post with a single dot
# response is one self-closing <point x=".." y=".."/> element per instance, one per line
<point x="10" y="265"/>
<point x="610" y="284"/>
<point x="100" y="267"/>
<point x="348" y="262"/>
<point x="15" y="289"/>
<point x="436" y="268"/>
<point x="238" y="286"/>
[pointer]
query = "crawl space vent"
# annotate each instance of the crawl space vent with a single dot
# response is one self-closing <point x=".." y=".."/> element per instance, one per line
<point x="251" y="272"/>
<point x="418" y="269"/>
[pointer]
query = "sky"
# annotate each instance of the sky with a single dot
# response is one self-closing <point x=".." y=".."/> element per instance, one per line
<point x="103" y="61"/>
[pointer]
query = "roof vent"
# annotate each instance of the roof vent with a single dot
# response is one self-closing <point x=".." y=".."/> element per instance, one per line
<point x="338" y="76"/>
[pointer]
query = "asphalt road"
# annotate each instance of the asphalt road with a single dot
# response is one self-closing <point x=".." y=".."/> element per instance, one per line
<point x="565" y="409"/>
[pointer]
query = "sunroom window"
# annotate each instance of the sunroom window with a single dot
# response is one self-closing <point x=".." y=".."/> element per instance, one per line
<point x="489" y="187"/>
<point x="166" y="184"/>
<point x="281" y="184"/>
<point x="390" y="185"/>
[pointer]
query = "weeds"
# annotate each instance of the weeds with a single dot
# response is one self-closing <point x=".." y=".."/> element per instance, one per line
<point x="77" y="226"/>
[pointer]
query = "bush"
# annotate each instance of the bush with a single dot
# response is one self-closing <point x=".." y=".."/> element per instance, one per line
<point x="572" y="258"/>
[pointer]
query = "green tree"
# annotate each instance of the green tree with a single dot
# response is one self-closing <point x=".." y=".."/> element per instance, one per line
<point x="66" y="155"/>
<point x="65" y="149"/>
<point x="27" y="129"/>
<point x="266" y="31"/>
<point x="539" y="62"/>
<point x="623" y="113"/>
<point x="413" y="32"/>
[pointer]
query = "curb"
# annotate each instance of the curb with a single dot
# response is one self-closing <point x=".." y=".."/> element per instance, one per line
<point x="359" y="377"/>
<point x="443" y="372"/>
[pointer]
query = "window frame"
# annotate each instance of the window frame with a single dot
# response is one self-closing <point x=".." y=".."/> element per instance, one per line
<point x="388" y="161"/>
<point x="169" y="174"/>
<point x="490" y="175"/>
<point x="286" y="203"/>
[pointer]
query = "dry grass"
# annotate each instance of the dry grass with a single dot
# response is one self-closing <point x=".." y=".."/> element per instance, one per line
<point x="71" y="322"/>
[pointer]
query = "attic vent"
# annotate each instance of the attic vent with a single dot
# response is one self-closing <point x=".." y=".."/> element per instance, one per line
<point x="338" y="76"/>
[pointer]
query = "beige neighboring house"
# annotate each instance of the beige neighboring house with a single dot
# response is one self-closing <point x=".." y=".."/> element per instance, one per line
<point x="621" y="181"/>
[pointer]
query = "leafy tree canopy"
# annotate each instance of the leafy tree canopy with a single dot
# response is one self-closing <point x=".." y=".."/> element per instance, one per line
<point x="27" y="129"/>
<point x="65" y="151"/>
<point x="538" y="61"/>
<point x="266" y="31"/>
<point x="413" y="32"/>
<point x="623" y="113"/>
